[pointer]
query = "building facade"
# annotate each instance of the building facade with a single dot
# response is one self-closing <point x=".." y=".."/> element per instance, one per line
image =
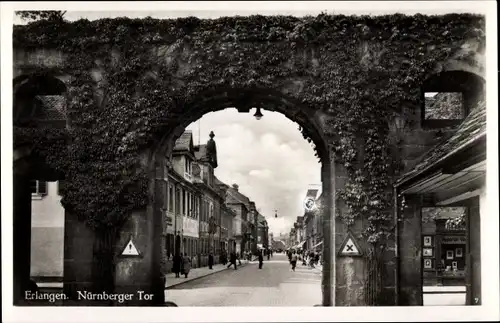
<point x="184" y="202"/>
<point x="240" y="205"/>
<point x="47" y="232"/>
<point x="262" y="232"/>
<point x="310" y="220"/>
<point x="213" y="231"/>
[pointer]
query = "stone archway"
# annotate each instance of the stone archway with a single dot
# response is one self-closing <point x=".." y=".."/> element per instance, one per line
<point x="371" y="67"/>
<point x="154" y="226"/>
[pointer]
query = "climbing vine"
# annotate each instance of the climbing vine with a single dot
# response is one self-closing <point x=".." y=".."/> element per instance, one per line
<point x="149" y="72"/>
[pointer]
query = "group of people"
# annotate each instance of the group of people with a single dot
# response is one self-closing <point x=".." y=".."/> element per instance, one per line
<point x="309" y="259"/>
<point x="181" y="265"/>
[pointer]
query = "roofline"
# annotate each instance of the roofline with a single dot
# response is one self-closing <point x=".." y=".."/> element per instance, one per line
<point x="182" y="181"/>
<point x="443" y="159"/>
<point x="212" y="190"/>
<point x="183" y="152"/>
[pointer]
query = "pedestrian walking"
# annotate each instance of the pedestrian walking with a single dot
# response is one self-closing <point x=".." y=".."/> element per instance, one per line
<point x="261" y="259"/>
<point x="268" y="254"/>
<point x="210" y="261"/>
<point x="177" y="264"/>
<point x="186" y="265"/>
<point x="312" y="258"/>
<point x="232" y="260"/>
<point x="293" y="260"/>
<point x="224" y="257"/>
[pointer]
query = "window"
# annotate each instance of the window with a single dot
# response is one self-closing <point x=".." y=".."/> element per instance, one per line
<point x="204" y="211"/>
<point x="183" y="202"/>
<point x="448" y="97"/>
<point x="444" y="106"/>
<point x="171" y="197"/>
<point x="38" y="187"/>
<point x="178" y="201"/>
<point x="169" y="244"/>
<point x="197" y="208"/>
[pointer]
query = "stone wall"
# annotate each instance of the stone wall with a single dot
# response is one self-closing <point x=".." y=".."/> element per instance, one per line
<point x="411" y="141"/>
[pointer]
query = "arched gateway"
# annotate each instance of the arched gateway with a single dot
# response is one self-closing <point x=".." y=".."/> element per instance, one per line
<point x="128" y="88"/>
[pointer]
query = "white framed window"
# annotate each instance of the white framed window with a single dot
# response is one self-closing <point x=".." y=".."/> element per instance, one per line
<point x="190" y="204"/>
<point x="38" y="187"/>
<point x="187" y="168"/>
<point x="183" y="201"/>
<point x="178" y="201"/>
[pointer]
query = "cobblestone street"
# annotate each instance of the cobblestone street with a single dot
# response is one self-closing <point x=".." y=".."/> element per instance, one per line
<point x="273" y="285"/>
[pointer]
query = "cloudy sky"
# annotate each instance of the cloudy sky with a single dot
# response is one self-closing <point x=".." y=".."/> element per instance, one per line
<point x="268" y="159"/>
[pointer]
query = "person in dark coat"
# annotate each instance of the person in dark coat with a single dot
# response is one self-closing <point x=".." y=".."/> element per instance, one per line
<point x="261" y="259"/>
<point x="268" y="254"/>
<point x="210" y="261"/>
<point x="232" y="260"/>
<point x="176" y="267"/>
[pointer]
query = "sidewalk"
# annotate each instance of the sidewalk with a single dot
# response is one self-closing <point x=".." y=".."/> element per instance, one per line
<point x="198" y="273"/>
<point x="318" y="267"/>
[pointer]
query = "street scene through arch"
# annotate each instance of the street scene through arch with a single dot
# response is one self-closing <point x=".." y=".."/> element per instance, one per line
<point x="397" y="127"/>
<point x="262" y="167"/>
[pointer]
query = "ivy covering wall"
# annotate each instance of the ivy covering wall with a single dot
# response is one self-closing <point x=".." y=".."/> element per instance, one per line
<point x="359" y="69"/>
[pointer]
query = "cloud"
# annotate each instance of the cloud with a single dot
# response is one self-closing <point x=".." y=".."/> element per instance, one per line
<point x="269" y="160"/>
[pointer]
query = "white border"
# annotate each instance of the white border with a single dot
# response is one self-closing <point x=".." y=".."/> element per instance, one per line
<point x="489" y="224"/>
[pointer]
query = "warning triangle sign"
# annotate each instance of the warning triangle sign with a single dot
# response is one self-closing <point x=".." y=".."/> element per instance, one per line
<point x="130" y="249"/>
<point x="350" y="247"/>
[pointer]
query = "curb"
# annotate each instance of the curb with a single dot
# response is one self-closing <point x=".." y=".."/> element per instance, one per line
<point x="208" y="274"/>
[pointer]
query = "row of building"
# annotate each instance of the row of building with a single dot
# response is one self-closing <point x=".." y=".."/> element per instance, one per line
<point x="202" y="214"/>
<point x="307" y="230"/>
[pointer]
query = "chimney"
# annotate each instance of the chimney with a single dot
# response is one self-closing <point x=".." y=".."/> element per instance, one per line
<point x="235" y="186"/>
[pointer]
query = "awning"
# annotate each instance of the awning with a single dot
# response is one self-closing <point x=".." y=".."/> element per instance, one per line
<point x="300" y="245"/>
<point x="259" y="246"/>
<point x="316" y="245"/>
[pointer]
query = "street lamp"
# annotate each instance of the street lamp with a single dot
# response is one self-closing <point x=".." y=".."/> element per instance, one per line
<point x="276" y="213"/>
<point x="258" y="115"/>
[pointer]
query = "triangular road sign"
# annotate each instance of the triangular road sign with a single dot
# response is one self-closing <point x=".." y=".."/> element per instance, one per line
<point x="350" y="247"/>
<point x="130" y="249"/>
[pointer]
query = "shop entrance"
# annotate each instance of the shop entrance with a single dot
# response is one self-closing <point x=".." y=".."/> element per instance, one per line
<point x="444" y="255"/>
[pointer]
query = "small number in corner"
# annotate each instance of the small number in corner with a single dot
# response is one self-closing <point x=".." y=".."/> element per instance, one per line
<point x="476" y="300"/>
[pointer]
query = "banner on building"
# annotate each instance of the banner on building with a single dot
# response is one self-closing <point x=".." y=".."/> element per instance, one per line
<point x="190" y="227"/>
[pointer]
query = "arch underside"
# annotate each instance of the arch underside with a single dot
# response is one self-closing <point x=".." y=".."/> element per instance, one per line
<point x="245" y="99"/>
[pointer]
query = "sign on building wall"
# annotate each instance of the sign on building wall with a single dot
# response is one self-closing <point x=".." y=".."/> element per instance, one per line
<point x="130" y="250"/>
<point x="190" y="227"/>
<point x="350" y="247"/>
